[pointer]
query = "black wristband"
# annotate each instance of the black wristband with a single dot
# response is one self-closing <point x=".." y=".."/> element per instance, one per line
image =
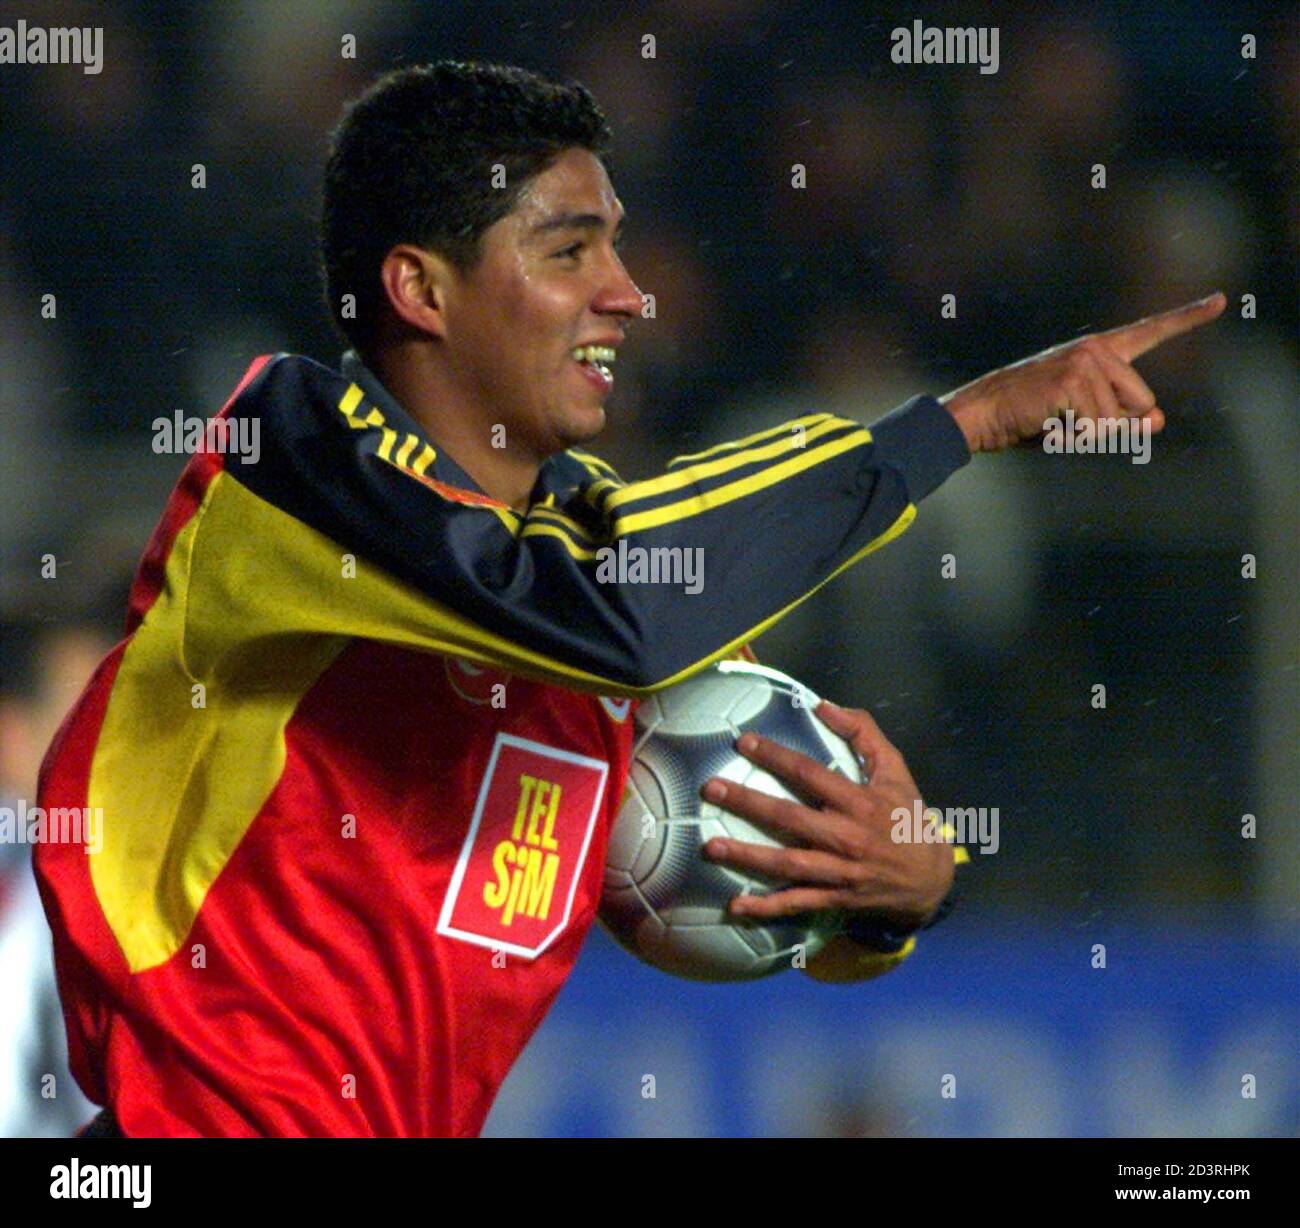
<point x="878" y="935"/>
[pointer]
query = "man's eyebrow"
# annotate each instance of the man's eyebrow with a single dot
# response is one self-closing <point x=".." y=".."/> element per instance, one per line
<point x="573" y="221"/>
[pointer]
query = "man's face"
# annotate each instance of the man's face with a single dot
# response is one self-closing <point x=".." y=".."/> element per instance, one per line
<point x="549" y="281"/>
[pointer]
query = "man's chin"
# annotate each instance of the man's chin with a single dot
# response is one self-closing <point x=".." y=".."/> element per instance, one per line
<point x="582" y="426"/>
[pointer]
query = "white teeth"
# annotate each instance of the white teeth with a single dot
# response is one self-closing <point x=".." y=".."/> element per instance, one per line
<point x="597" y="354"/>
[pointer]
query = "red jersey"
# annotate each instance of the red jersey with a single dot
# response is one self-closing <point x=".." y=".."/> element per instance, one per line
<point x="356" y="760"/>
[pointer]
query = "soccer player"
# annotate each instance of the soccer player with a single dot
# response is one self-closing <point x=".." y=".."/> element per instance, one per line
<point x="359" y="751"/>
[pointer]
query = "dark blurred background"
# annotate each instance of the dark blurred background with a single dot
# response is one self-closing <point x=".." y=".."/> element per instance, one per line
<point x="1119" y="826"/>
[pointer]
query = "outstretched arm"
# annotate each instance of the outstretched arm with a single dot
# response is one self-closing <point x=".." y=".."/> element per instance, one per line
<point x="770" y="518"/>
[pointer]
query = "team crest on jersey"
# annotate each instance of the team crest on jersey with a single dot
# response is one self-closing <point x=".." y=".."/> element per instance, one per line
<point x="518" y="870"/>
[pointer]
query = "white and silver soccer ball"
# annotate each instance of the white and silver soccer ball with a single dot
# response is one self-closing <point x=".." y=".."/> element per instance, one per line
<point x="663" y="900"/>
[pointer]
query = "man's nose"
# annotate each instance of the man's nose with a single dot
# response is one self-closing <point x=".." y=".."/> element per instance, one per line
<point x="619" y="295"/>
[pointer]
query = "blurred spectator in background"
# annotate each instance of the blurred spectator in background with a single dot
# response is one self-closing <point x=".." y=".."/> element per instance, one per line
<point x="45" y="670"/>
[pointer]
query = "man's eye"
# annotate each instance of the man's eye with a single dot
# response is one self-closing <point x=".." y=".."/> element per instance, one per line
<point x="572" y="250"/>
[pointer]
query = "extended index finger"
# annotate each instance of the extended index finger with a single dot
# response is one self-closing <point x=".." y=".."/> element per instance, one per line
<point x="1130" y="341"/>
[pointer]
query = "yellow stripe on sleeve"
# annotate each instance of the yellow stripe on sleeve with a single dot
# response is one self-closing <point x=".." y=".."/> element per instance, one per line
<point x="425" y="459"/>
<point x="554" y="516"/>
<point x="785" y="428"/>
<point x="721" y="495"/>
<point x="351" y="399"/>
<point x="596" y="492"/>
<point x="550" y="530"/>
<point x="678" y="478"/>
<point x="594" y="465"/>
<point x="404" y="452"/>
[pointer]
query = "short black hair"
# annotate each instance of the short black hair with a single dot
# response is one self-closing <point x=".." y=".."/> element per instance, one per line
<point x="412" y="158"/>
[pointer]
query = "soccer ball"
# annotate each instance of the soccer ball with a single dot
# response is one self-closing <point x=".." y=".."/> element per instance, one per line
<point x="663" y="900"/>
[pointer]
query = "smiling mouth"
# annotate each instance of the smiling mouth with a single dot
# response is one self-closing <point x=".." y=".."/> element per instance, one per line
<point x="598" y="358"/>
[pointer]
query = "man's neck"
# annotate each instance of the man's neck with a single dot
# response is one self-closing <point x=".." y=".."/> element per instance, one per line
<point x="459" y="428"/>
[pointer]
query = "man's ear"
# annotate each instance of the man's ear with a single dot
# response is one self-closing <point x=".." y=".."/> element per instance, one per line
<point x="416" y="284"/>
